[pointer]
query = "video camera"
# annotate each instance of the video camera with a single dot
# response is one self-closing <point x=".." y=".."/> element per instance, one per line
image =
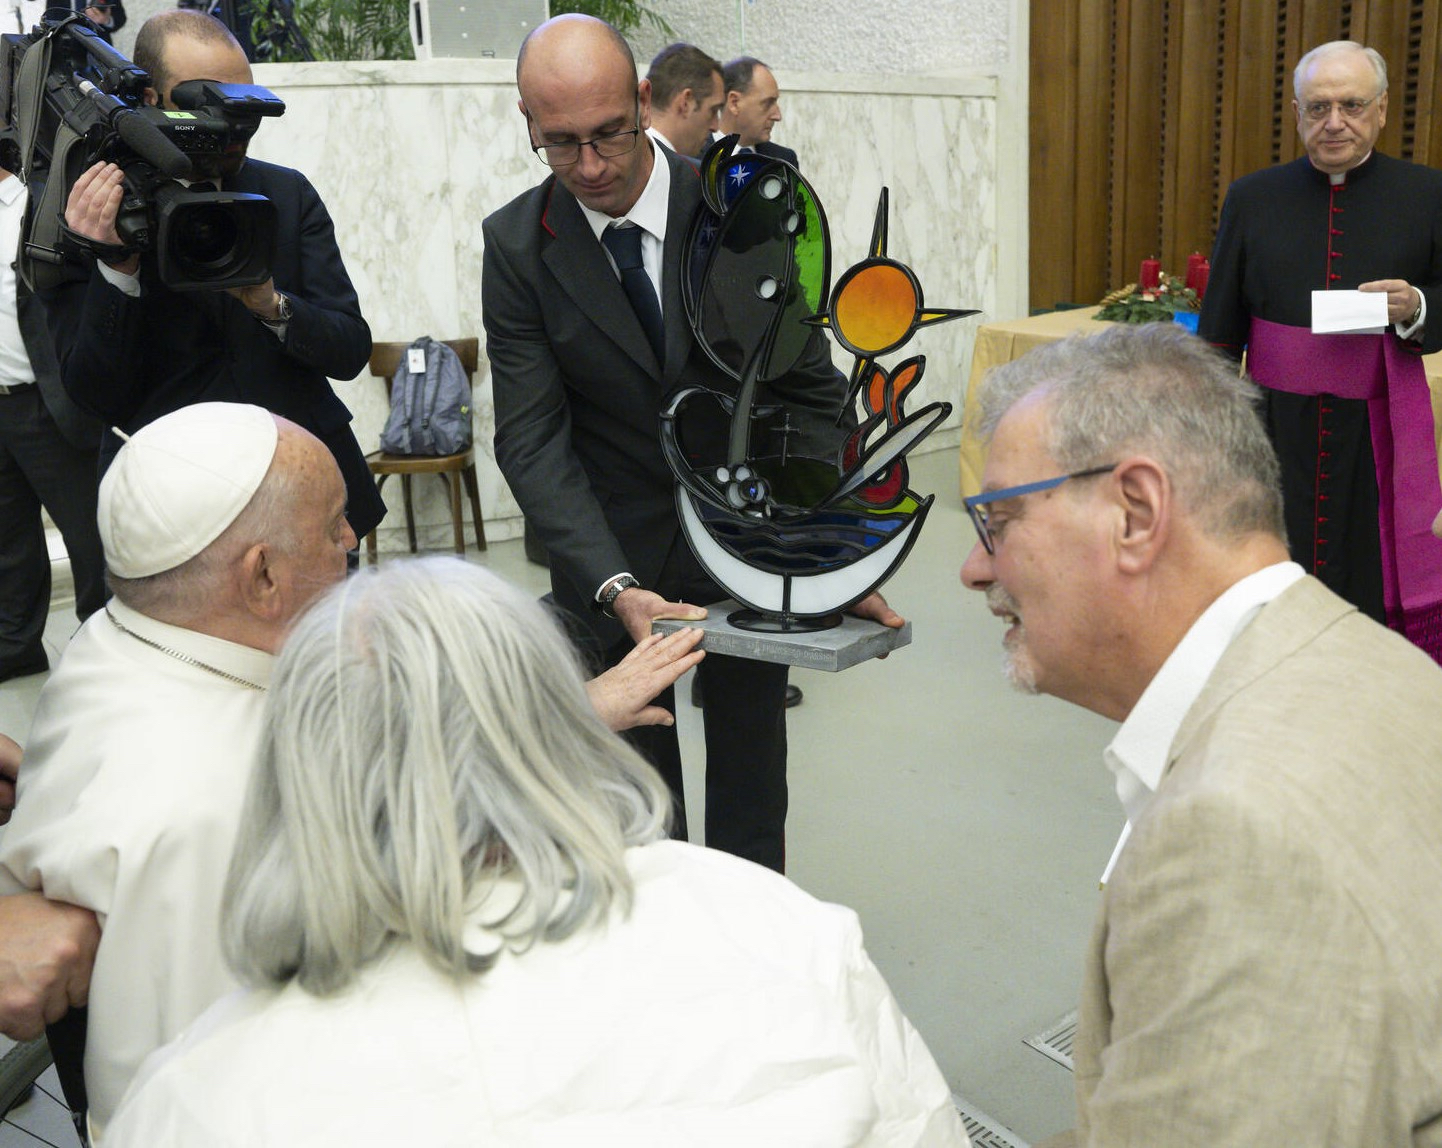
<point x="69" y="100"/>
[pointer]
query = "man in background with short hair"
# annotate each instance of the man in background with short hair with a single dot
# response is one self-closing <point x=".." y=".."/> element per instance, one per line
<point x="686" y="98"/>
<point x="753" y="107"/>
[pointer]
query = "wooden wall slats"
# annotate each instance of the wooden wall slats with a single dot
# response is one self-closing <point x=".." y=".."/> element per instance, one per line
<point x="1188" y="222"/>
<point x="1428" y="140"/>
<point x="1137" y="160"/>
<point x="1094" y="140"/>
<point x="1053" y="189"/>
<point x="1144" y="111"/>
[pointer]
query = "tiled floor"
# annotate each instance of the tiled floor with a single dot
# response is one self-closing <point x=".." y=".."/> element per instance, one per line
<point x="967" y="825"/>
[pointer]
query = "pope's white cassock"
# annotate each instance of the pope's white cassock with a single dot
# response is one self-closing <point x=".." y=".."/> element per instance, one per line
<point x="134" y="777"/>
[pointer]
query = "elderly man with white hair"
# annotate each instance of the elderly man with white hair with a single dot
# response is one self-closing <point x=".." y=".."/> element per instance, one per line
<point x="221" y="523"/>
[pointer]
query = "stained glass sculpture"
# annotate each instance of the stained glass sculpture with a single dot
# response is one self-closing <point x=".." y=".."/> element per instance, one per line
<point x="795" y="539"/>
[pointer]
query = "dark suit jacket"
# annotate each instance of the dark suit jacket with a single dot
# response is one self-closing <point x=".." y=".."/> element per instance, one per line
<point x="766" y="147"/>
<point x="131" y="360"/>
<point x="578" y="390"/>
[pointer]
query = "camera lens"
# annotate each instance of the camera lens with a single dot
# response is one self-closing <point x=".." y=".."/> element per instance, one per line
<point x="206" y="236"/>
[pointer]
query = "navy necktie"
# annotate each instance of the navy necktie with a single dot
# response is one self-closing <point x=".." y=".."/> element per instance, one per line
<point x="624" y="244"/>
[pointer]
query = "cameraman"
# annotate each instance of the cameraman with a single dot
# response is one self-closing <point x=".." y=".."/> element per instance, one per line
<point x="132" y="350"/>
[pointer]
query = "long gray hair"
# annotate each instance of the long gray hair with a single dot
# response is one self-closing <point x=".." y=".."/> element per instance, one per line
<point x="428" y="732"/>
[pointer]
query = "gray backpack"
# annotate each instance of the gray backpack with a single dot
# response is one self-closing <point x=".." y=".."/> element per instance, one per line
<point x="430" y="411"/>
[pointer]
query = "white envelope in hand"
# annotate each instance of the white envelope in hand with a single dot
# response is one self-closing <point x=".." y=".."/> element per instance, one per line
<point x="1349" y="312"/>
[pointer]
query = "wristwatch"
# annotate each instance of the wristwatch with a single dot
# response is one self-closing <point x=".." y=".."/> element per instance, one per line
<point x="282" y="314"/>
<point x="613" y="590"/>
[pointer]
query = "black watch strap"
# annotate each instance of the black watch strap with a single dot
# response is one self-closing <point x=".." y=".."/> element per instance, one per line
<point x="613" y="590"/>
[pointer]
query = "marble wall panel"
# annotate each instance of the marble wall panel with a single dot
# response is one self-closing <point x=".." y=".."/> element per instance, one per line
<point x="411" y="157"/>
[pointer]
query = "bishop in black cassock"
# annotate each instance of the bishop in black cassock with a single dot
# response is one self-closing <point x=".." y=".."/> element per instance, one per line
<point x="1293" y="229"/>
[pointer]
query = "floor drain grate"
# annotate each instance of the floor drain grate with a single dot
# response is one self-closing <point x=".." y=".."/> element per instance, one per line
<point x="983" y="1130"/>
<point x="1057" y="1042"/>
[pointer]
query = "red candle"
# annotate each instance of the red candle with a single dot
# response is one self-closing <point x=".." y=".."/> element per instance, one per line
<point x="1151" y="274"/>
<point x="1203" y="273"/>
<point x="1194" y="261"/>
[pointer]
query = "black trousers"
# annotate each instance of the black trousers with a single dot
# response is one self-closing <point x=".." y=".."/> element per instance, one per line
<point x="364" y="506"/>
<point x="745" y="718"/>
<point x="40" y="467"/>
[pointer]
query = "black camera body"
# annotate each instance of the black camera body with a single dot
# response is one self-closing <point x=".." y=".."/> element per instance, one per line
<point x="69" y="100"/>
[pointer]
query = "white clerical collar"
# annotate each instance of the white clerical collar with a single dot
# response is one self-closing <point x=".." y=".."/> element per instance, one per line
<point x="1139" y="752"/>
<point x="1337" y="178"/>
<point x="651" y="207"/>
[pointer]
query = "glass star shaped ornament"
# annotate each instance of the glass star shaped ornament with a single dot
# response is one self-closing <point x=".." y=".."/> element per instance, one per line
<point x="795" y="539"/>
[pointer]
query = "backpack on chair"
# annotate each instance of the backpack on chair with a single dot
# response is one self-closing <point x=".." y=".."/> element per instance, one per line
<point x="430" y="409"/>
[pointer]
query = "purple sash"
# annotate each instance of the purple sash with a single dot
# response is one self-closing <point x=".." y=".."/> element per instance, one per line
<point x="1404" y="444"/>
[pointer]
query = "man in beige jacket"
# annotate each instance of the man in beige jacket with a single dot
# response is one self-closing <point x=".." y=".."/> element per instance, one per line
<point x="1265" y="966"/>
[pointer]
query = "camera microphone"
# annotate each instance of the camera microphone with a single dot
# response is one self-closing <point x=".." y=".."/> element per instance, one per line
<point x="142" y="136"/>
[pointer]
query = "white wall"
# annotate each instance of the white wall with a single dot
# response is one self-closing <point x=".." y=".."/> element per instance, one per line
<point x="884" y="37"/>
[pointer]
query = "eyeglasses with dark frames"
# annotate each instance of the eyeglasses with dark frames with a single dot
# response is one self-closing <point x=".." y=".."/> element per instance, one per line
<point x="977" y="503"/>
<point x="1319" y="110"/>
<point x="607" y="146"/>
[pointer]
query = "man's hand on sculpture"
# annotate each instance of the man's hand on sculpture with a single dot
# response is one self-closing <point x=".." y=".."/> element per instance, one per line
<point x="10" y="754"/>
<point x="637" y="609"/>
<point x="94" y="204"/>
<point x="874" y="608"/>
<point x="622" y="695"/>
<point x="47" y="950"/>
<point x="1402" y="298"/>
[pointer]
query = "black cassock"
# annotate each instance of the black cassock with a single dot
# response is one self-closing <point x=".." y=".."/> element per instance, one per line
<point x="1288" y="231"/>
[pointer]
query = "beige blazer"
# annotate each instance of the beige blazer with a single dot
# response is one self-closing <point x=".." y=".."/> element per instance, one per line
<point x="1267" y="963"/>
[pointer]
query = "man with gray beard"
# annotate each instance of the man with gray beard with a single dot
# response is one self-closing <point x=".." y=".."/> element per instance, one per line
<point x="1130" y="532"/>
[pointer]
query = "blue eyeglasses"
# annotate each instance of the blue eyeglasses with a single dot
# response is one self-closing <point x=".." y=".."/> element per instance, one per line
<point x="975" y="505"/>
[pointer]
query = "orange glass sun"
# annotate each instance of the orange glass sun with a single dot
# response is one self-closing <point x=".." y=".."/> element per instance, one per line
<point x="876" y="308"/>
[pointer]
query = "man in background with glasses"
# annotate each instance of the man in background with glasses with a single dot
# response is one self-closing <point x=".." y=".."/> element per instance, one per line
<point x="1264" y="965"/>
<point x="587" y="333"/>
<point x="1350" y="416"/>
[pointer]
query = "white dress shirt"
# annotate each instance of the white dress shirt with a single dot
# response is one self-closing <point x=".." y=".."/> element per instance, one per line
<point x="649" y="214"/>
<point x="15" y="369"/>
<point x="1138" y="754"/>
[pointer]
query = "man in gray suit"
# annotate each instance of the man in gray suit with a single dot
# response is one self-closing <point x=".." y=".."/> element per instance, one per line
<point x="1265" y="964"/>
<point x="580" y="367"/>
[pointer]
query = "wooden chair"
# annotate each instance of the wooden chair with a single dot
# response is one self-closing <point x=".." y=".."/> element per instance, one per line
<point x="452" y="469"/>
